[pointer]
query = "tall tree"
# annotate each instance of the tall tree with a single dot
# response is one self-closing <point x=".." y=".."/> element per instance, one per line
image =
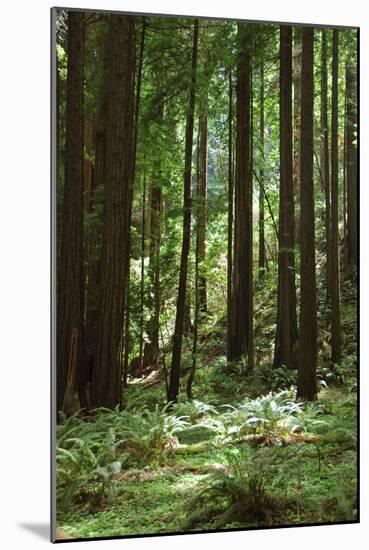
<point x="286" y="335"/>
<point x="151" y="354"/>
<point x="70" y="267"/>
<point x="106" y="381"/>
<point x="335" y="284"/>
<point x="154" y="267"/>
<point x="351" y="174"/>
<point x="324" y="155"/>
<point x="202" y="182"/>
<point x="296" y="67"/>
<point x="186" y="237"/>
<point x="344" y="181"/>
<point x="138" y="75"/>
<point x="142" y="280"/>
<point x="198" y="213"/>
<point x="261" y="174"/>
<point x="306" y="383"/>
<point x="93" y="294"/>
<point x="242" y="268"/>
<point x="250" y="246"/>
<point x="230" y="218"/>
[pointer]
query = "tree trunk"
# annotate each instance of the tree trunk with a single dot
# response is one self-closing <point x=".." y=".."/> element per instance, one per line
<point x="306" y="384"/>
<point x="250" y="247"/>
<point x="70" y="272"/>
<point x="198" y="213"/>
<point x="106" y="381"/>
<point x="230" y="220"/>
<point x="286" y="335"/>
<point x="93" y="288"/>
<point x="202" y="209"/>
<point x="352" y="180"/>
<point x="242" y="269"/>
<point x="154" y="271"/>
<point x="126" y="346"/>
<point x="297" y="50"/>
<point x="335" y="290"/>
<point x="88" y="165"/>
<point x="324" y="163"/>
<point x="181" y="299"/>
<point x="344" y="182"/>
<point x="142" y="281"/>
<point x="261" y="176"/>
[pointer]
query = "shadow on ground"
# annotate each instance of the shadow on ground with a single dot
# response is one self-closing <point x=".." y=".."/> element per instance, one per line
<point x="42" y="530"/>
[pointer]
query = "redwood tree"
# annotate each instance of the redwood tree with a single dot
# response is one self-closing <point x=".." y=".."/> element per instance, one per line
<point x="324" y="157"/>
<point x="93" y="290"/>
<point x="352" y="157"/>
<point x="106" y="381"/>
<point x="202" y="208"/>
<point x="137" y="103"/>
<point x="306" y="383"/>
<point x="262" y="263"/>
<point x="240" y="343"/>
<point x="230" y="219"/>
<point x="296" y="68"/>
<point x="173" y="389"/>
<point x="70" y="268"/>
<point x="154" y="271"/>
<point x="286" y="335"/>
<point x="335" y="289"/>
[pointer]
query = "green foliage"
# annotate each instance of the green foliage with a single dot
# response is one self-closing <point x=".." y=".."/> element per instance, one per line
<point x="124" y="467"/>
<point x="269" y="415"/>
<point x="86" y="466"/>
<point x="149" y="433"/>
<point x="194" y="409"/>
<point x="91" y="454"/>
<point x="241" y="492"/>
<point x="219" y="377"/>
<point x="344" y="373"/>
<point x="244" y="447"/>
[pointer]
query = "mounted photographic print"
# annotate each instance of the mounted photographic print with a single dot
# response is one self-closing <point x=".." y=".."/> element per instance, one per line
<point x="205" y="269"/>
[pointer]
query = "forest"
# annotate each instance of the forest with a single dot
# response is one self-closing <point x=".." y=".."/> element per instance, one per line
<point x="206" y="274"/>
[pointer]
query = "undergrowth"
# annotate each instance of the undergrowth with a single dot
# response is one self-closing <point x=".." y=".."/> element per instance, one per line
<point x="243" y="453"/>
<point x="259" y="462"/>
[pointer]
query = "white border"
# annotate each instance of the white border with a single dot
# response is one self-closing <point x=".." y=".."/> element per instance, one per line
<point x="24" y="275"/>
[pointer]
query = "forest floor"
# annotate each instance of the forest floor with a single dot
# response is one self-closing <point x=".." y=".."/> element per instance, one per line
<point x="277" y="478"/>
<point x="243" y="454"/>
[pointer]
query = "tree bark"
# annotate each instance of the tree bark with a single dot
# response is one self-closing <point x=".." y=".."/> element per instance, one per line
<point x="297" y="51"/>
<point x="335" y="289"/>
<point x="250" y="248"/>
<point x="261" y="176"/>
<point x="325" y="158"/>
<point x="186" y="237"/>
<point x="286" y="334"/>
<point x="230" y="219"/>
<point x="126" y="347"/>
<point x="106" y="381"/>
<point x="70" y="267"/>
<point x="242" y="268"/>
<point x="352" y="179"/>
<point x="142" y="281"/>
<point x="155" y="240"/>
<point x="93" y="288"/>
<point x="198" y="213"/>
<point x="202" y="209"/>
<point x="306" y="384"/>
<point x="344" y="182"/>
